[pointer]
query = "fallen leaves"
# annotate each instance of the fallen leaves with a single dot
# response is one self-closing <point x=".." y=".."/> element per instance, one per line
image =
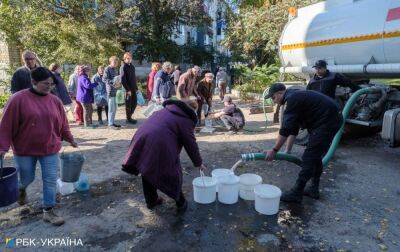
<point x="383" y="230"/>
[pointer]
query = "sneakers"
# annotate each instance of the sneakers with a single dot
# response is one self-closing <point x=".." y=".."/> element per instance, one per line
<point x="22" y="197"/>
<point x="101" y="122"/>
<point x="51" y="217"/>
<point x="158" y="202"/>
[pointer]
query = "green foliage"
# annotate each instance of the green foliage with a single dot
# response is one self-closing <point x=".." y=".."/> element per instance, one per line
<point x="253" y="33"/>
<point x="196" y="55"/>
<point x="143" y="88"/>
<point x="6" y="83"/>
<point x="4" y="99"/>
<point x="255" y="80"/>
<point x="90" y="31"/>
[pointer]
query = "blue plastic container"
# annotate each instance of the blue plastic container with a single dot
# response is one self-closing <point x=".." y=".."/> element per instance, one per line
<point x="82" y="185"/>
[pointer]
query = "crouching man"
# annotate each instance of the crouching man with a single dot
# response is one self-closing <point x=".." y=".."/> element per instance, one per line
<point x="231" y="116"/>
<point x="320" y="116"/>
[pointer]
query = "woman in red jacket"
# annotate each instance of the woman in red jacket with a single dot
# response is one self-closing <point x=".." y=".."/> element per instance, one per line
<point x="34" y="124"/>
<point x="155" y="67"/>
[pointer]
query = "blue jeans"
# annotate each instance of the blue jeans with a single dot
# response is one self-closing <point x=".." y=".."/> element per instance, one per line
<point x="50" y="164"/>
<point x="112" y="109"/>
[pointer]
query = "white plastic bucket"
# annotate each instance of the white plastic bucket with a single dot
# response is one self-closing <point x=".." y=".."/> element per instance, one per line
<point x="217" y="173"/>
<point x="267" y="199"/>
<point x="247" y="183"/>
<point x="228" y="189"/>
<point x="204" y="190"/>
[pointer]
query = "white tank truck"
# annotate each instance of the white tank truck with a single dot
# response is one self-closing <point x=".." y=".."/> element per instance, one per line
<point x="359" y="39"/>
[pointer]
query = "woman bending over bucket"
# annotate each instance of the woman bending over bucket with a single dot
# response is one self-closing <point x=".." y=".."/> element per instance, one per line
<point x="34" y="124"/>
<point x="155" y="148"/>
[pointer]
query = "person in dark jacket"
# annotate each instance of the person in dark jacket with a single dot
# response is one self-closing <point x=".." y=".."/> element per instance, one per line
<point x="128" y="80"/>
<point x="21" y="79"/>
<point x="155" y="149"/>
<point x="109" y="78"/>
<point x="326" y="82"/>
<point x="205" y="91"/>
<point x="60" y="89"/>
<point x="231" y="116"/>
<point x="320" y="116"/>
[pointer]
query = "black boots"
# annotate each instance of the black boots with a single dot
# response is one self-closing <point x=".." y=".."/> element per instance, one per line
<point x="294" y="195"/>
<point x="312" y="190"/>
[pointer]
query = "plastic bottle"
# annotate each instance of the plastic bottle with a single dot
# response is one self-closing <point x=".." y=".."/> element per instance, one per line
<point x="82" y="184"/>
<point x="65" y="188"/>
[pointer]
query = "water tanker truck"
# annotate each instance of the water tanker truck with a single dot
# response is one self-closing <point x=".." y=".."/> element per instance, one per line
<point x="359" y="39"/>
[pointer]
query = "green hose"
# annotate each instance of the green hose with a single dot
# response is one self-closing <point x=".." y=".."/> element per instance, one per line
<point x="293" y="159"/>
<point x="345" y="113"/>
<point x="263" y="104"/>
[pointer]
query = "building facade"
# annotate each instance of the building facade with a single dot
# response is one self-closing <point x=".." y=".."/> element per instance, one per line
<point x="206" y="36"/>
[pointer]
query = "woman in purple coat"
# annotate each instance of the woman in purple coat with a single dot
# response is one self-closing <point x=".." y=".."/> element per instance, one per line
<point x="155" y="149"/>
<point x="84" y="94"/>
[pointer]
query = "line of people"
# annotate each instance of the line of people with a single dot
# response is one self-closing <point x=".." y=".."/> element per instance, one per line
<point x="83" y="92"/>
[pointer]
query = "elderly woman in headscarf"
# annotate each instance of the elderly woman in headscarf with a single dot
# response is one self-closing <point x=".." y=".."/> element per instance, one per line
<point x="155" y="149"/>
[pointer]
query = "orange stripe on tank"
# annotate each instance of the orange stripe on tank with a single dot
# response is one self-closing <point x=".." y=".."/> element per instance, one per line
<point x="343" y="40"/>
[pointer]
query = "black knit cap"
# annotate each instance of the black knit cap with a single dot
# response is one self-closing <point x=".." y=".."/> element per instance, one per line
<point x="276" y="87"/>
<point x="41" y="74"/>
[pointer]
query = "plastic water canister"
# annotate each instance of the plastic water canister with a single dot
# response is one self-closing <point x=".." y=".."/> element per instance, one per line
<point x="82" y="184"/>
<point x="65" y="188"/>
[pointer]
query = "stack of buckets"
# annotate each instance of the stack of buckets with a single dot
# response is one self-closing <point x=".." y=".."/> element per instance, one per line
<point x="229" y="187"/>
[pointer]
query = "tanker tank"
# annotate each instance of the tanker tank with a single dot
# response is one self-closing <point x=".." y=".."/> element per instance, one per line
<point x="359" y="38"/>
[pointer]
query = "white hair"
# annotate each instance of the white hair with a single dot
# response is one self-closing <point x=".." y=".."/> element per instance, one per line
<point x="167" y="65"/>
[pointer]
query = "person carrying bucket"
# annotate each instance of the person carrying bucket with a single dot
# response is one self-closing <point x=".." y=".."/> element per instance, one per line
<point x="34" y="124"/>
<point x="155" y="149"/>
<point x="320" y="115"/>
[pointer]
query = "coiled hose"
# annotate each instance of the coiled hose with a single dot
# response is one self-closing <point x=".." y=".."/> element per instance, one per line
<point x="335" y="142"/>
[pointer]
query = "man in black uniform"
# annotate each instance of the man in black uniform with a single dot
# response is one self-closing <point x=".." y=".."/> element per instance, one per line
<point x="320" y="116"/>
<point x="326" y="82"/>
